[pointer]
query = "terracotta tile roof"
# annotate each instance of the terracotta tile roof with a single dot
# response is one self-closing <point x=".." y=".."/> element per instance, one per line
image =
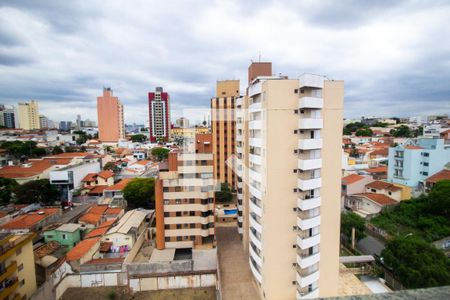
<point x="352" y="178"/>
<point x="97" y="190"/>
<point x="382" y="169"/>
<point x="382" y="185"/>
<point x="113" y="211"/>
<point x="119" y="186"/>
<point x="105" y="260"/>
<point x="106" y="174"/>
<point x="90" y="218"/>
<point x="108" y="223"/>
<point x="97" y="232"/>
<point x="81" y="249"/>
<point x="71" y="154"/>
<point x="36" y="167"/>
<point x="413" y="147"/>
<point x="383" y="152"/>
<point x="441" y="175"/>
<point x="30" y="219"/>
<point x="143" y="162"/>
<point x="379" y="198"/>
<point x="89" y="177"/>
<point x="98" y="209"/>
<point x="46" y="249"/>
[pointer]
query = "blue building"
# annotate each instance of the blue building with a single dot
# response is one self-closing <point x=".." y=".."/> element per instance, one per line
<point x="411" y="163"/>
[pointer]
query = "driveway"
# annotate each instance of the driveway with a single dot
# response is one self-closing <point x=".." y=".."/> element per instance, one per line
<point x="370" y="245"/>
<point x="235" y="275"/>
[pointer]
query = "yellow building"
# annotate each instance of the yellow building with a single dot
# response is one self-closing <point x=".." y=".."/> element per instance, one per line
<point x="188" y="133"/>
<point x="29" y="115"/>
<point x="17" y="274"/>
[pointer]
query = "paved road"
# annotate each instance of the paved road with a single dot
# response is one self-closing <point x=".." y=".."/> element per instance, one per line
<point x="235" y="275"/>
<point x="370" y="245"/>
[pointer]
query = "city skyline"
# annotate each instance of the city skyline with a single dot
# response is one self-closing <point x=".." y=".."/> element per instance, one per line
<point x="382" y="51"/>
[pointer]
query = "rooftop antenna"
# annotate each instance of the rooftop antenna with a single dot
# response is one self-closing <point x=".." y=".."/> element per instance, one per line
<point x="259" y="56"/>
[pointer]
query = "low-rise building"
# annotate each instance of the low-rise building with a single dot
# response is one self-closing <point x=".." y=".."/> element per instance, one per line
<point x="433" y="179"/>
<point x="385" y="188"/>
<point x="354" y="184"/>
<point x="368" y="205"/>
<point x="84" y="251"/>
<point x="32" y="221"/>
<point x="17" y="270"/>
<point x="67" y="235"/>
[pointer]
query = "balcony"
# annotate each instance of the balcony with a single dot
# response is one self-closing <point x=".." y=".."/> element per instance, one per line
<point x="8" y="271"/>
<point x="254" y="238"/>
<point x="311" y="80"/>
<point x="310" y="203"/>
<point x="9" y="289"/>
<point x="305" y="260"/>
<point x="310" y="144"/>
<point x="255" y="271"/>
<point x="256" y="159"/>
<point x="309" y="123"/>
<point x="307" y="277"/>
<point x="308" y="242"/>
<point x="306" y="293"/>
<point x="309" y="184"/>
<point x="255" y="175"/>
<point x="310" y="102"/>
<point x="309" y="164"/>
<point x="255" y="223"/>
<point x="256" y="124"/>
<point x="254" y="207"/>
<point x="255" y="256"/>
<point x="255" y="89"/>
<point x="255" y="192"/>
<point x="256" y="142"/>
<point x="308" y="222"/>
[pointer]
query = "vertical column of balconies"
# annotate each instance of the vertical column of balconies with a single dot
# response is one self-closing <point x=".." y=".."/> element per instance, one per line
<point x="239" y="115"/>
<point x="309" y="182"/>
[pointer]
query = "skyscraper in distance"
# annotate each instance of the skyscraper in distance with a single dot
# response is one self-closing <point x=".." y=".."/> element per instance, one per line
<point x="29" y="115"/>
<point x="159" y="115"/>
<point x="111" y="126"/>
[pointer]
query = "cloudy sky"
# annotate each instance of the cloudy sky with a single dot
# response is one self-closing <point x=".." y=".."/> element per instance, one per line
<point x="393" y="55"/>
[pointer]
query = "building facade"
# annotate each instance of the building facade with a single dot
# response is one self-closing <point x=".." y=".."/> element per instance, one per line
<point x="184" y="195"/>
<point x="291" y="174"/>
<point x="29" y="115"/>
<point x="223" y="129"/>
<point x="111" y="126"/>
<point x="159" y="115"/>
<point x="411" y="163"/>
<point x="18" y="278"/>
<point x="10" y="117"/>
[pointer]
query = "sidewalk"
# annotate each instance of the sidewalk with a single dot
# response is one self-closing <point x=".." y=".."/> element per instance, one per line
<point x="235" y="275"/>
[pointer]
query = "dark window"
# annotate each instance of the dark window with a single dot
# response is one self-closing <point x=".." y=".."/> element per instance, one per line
<point x="166" y="214"/>
<point x="178" y="226"/>
<point x="178" y="214"/>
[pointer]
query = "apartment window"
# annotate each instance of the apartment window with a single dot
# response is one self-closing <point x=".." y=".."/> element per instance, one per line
<point x="20" y="267"/>
<point x="22" y="282"/>
<point x="192" y="213"/>
<point x="166" y="214"/>
<point x="166" y="226"/>
<point x="178" y="213"/>
<point x="167" y="239"/>
<point x="19" y="251"/>
<point x="192" y="225"/>
<point x="204" y="162"/>
<point x="192" y="237"/>
<point x="373" y="190"/>
<point x="178" y="226"/>
<point x="191" y="188"/>
<point x="166" y="202"/>
<point x="178" y="189"/>
<point x="178" y="201"/>
<point x="64" y="236"/>
<point x="425" y="173"/>
<point x="192" y="201"/>
<point x="179" y="238"/>
<point x="165" y="189"/>
<point x="426" y="164"/>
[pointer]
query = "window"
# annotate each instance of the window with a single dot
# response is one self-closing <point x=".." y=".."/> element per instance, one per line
<point x="22" y="282"/>
<point x="373" y="190"/>
<point x="178" y="213"/>
<point x="64" y="236"/>
<point x="20" y="267"/>
<point x="192" y="213"/>
<point x="192" y="225"/>
<point x="203" y="162"/>
<point x="19" y="251"/>
<point x="178" y="226"/>
<point x="192" y="201"/>
<point x="166" y="226"/>
<point x="166" y="202"/>
<point x="192" y="237"/>
<point x="166" y="214"/>
<point x="426" y="164"/>
<point x="178" y="238"/>
<point x="165" y="189"/>
<point x="178" y="201"/>
<point x="167" y="239"/>
<point x="425" y="173"/>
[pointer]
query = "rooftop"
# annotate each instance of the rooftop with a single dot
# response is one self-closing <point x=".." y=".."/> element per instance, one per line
<point x="381" y="199"/>
<point x="383" y="185"/>
<point x="132" y="218"/>
<point x="382" y="169"/>
<point x="119" y="186"/>
<point x="81" y="249"/>
<point x="90" y="218"/>
<point x="106" y="174"/>
<point x="30" y="219"/>
<point x="352" y="178"/>
<point x="31" y="168"/>
<point x="441" y="175"/>
<point x="69" y="227"/>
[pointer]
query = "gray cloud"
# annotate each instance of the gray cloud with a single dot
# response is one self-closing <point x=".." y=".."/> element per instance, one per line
<point x="393" y="55"/>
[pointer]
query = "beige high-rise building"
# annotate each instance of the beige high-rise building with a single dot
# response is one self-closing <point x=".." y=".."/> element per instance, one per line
<point x="111" y="126"/>
<point x="223" y="128"/>
<point x="291" y="133"/>
<point x="29" y="115"/>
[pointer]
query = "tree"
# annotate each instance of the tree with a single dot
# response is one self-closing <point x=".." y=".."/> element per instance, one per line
<point x="416" y="263"/>
<point x="140" y="192"/>
<point x="380" y="124"/>
<point x="364" y="132"/>
<point x="224" y="195"/>
<point x="111" y="166"/>
<point x="160" y="153"/>
<point x="351" y="220"/>
<point x="439" y="199"/>
<point x="70" y="149"/>
<point x="19" y="149"/>
<point x="37" y="191"/>
<point x="352" y="127"/>
<point x="401" y="131"/>
<point x="57" y="150"/>
<point x="138" y="138"/>
<point x="7" y="187"/>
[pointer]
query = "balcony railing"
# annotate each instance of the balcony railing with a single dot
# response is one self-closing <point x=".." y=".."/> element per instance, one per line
<point x="8" y="271"/>
<point x="10" y="287"/>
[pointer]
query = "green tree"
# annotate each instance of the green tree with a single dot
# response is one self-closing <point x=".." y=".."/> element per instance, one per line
<point x="364" y="132"/>
<point x="111" y="166"/>
<point x="224" y="195"/>
<point x="401" y="131"/>
<point x="138" y="138"/>
<point x="57" y="150"/>
<point x="351" y="220"/>
<point x="70" y="149"/>
<point x="352" y="127"/>
<point x="380" y="124"/>
<point x="19" y="149"/>
<point x="160" y="153"/>
<point x="416" y="263"/>
<point x="37" y="191"/>
<point x="140" y="192"/>
<point x="7" y="188"/>
<point x="439" y="199"/>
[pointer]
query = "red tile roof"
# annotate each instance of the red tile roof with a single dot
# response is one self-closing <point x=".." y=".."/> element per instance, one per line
<point x="413" y="147"/>
<point x="108" y="223"/>
<point x="382" y="169"/>
<point x="352" y="178"/>
<point x="30" y="219"/>
<point x="97" y="190"/>
<point x="71" y="154"/>
<point x="98" y="209"/>
<point x="382" y="185"/>
<point x="113" y="211"/>
<point x="119" y="186"/>
<point x="90" y="218"/>
<point x="381" y="199"/>
<point x="383" y="152"/>
<point x="106" y="174"/>
<point x="89" y="177"/>
<point x="97" y="232"/>
<point x="36" y="167"/>
<point x="441" y="175"/>
<point x="81" y="249"/>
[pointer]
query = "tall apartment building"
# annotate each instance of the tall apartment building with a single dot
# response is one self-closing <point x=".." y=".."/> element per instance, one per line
<point x="43" y="122"/>
<point x="223" y="128"/>
<point x="111" y="126"/>
<point x="29" y="115"/>
<point x="290" y="160"/>
<point x="159" y="115"/>
<point x="184" y="198"/>
<point x="17" y="273"/>
<point x="8" y="117"/>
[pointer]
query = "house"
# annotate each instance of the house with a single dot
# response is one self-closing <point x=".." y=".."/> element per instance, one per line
<point x="67" y="235"/>
<point x="378" y="173"/>
<point x="94" y="216"/>
<point x="113" y="194"/>
<point x="444" y="174"/>
<point x="33" y="169"/>
<point x="32" y="221"/>
<point x="354" y="184"/>
<point x="368" y="205"/>
<point x="84" y="251"/>
<point x="95" y="183"/>
<point x="385" y="188"/>
<point x="114" y="213"/>
<point x="128" y="235"/>
<point x="100" y="230"/>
